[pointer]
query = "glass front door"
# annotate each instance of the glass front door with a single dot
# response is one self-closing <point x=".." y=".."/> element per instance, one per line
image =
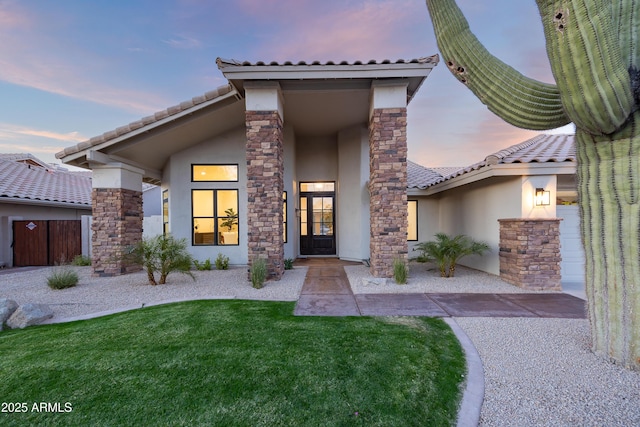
<point x="317" y="218"/>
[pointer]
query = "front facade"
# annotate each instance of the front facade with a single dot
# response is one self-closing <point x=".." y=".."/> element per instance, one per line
<point x="287" y="160"/>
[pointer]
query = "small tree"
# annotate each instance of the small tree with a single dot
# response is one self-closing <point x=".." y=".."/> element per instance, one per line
<point x="446" y="251"/>
<point x="164" y="255"/>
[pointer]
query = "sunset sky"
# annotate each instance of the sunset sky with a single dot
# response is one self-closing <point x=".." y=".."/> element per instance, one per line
<point x="73" y="69"/>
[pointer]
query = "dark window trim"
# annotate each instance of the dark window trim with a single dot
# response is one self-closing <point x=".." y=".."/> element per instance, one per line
<point x="215" y="164"/>
<point x="286" y="215"/>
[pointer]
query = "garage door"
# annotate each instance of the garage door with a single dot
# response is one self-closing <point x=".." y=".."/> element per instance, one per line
<point x="572" y="266"/>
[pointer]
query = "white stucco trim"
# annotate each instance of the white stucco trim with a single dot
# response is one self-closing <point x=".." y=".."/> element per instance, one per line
<point x="388" y="94"/>
<point x="117" y="175"/>
<point x="264" y="96"/>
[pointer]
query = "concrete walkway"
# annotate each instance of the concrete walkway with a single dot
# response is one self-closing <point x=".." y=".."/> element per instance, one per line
<point x="326" y="292"/>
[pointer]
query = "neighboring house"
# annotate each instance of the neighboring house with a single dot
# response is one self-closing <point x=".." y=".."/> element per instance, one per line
<point x="286" y="160"/>
<point x="48" y="195"/>
<point x="37" y="201"/>
<point x="472" y="199"/>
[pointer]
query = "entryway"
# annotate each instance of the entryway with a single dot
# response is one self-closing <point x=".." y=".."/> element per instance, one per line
<point x="317" y="218"/>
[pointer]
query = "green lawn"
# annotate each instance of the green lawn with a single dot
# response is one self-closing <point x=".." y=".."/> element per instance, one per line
<point x="232" y="363"/>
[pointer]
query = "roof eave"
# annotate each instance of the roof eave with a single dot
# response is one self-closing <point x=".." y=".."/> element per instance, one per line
<point x="510" y="169"/>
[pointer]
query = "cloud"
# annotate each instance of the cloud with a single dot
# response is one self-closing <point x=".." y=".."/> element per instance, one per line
<point x="362" y="30"/>
<point x="183" y="42"/>
<point x="29" y="148"/>
<point x="12" y="132"/>
<point x="31" y="57"/>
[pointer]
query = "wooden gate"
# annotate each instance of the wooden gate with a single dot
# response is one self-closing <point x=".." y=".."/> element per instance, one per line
<point x="41" y="242"/>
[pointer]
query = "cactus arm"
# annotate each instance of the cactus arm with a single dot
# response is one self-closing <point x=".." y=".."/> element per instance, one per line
<point x="586" y="61"/>
<point x="625" y="14"/>
<point x="517" y="99"/>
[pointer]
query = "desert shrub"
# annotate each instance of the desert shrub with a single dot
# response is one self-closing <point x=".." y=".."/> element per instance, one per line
<point x="164" y="255"/>
<point x="400" y="271"/>
<point x="81" y="260"/>
<point x="62" y="278"/>
<point x="202" y="266"/>
<point x="222" y="262"/>
<point x="258" y="273"/>
<point x="288" y="264"/>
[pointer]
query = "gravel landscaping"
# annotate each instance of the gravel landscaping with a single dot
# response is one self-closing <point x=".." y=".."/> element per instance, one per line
<point x="538" y="372"/>
<point x="103" y="294"/>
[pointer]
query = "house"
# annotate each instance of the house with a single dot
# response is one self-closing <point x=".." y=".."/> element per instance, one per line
<point x="41" y="209"/>
<point x="487" y="199"/>
<point x="286" y="160"/>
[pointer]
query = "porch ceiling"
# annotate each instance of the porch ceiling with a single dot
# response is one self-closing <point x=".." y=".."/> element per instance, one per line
<point x="325" y="109"/>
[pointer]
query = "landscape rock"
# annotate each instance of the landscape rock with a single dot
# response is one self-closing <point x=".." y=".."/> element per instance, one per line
<point x="29" y="314"/>
<point x="7" y="307"/>
<point x="376" y="281"/>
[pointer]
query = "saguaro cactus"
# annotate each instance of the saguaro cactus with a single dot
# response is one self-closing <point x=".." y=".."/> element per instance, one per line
<point x="594" y="50"/>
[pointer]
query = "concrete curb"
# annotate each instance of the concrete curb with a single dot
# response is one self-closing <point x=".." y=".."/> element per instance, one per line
<point x="130" y="308"/>
<point x="473" y="396"/>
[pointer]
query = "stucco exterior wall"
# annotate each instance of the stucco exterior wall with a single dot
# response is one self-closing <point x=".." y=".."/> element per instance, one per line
<point x="225" y="148"/>
<point x="317" y="158"/>
<point x="10" y="212"/>
<point x="353" y="196"/>
<point x="474" y="210"/>
<point x="428" y="221"/>
<point x="291" y="246"/>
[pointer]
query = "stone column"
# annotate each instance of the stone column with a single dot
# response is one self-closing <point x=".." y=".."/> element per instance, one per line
<point x="388" y="176"/>
<point x="530" y="253"/>
<point x="117" y="217"/>
<point x="265" y="175"/>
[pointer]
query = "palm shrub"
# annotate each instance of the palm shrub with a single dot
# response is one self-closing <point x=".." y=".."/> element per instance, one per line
<point x="163" y="254"/>
<point x="446" y="251"/>
<point x="594" y="53"/>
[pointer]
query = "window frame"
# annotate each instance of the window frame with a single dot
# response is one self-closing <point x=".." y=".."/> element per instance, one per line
<point x="215" y="217"/>
<point x="417" y="222"/>
<point x="165" y="212"/>
<point x="194" y="165"/>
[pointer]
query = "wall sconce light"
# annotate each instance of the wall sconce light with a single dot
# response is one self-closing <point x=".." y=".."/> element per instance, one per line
<point x="543" y="198"/>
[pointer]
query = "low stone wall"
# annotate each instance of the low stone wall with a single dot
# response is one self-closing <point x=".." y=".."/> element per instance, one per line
<point x="530" y="253"/>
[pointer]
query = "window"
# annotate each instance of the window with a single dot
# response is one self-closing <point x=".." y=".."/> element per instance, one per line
<point x="284" y="216"/>
<point x="215" y="217"/>
<point x="412" y="230"/>
<point x="165" y="212"/>
<point x="214" y="173"/>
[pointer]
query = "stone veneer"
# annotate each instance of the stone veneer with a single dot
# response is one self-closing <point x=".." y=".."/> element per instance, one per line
<point x="530" y="253"/>
<point x="388" y="189"/>
<point x="265" y="184"/>
<point x="116" y="225"/>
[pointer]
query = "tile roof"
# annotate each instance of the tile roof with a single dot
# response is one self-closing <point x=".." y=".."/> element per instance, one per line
<point x="539" y="149"/>
<point x="216" y="93"/>
<point x="146" y="121"/>
<point x="223" y="63"/>
<point x="26" y="182"/>
<point x="421" y="177"/>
